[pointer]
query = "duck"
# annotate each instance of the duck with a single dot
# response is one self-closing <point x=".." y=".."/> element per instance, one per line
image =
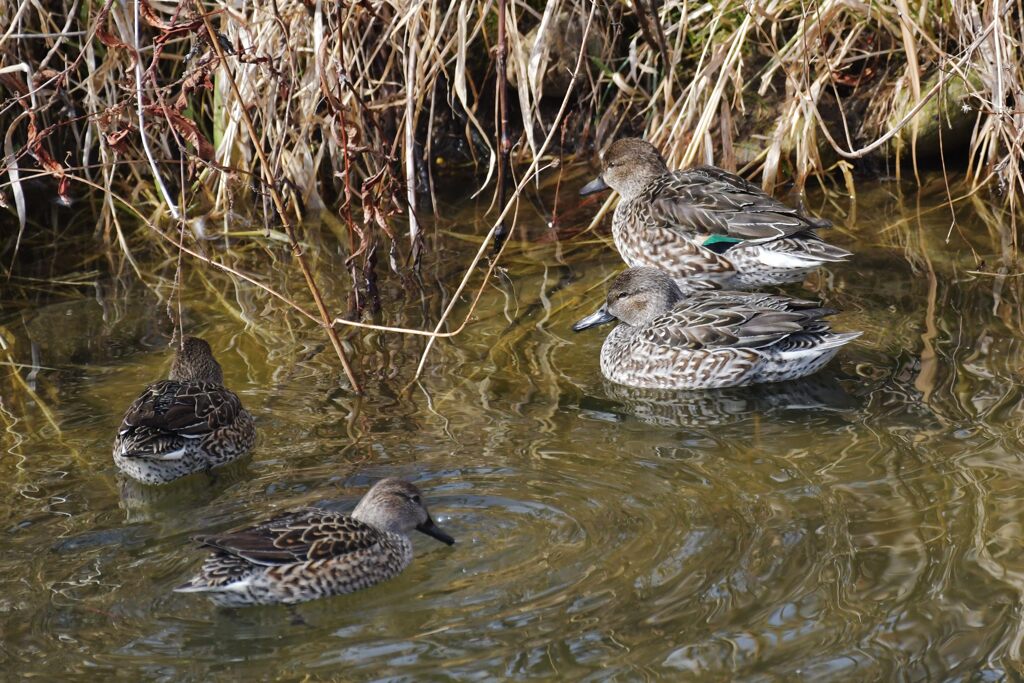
<point x="706" y="223"/>
<point x="187" y="423"/>
<point x="315" y="553"/>
<point x="708" y="339"/>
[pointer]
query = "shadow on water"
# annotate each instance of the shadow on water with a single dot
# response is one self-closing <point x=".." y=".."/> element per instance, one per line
<point x="862" y="524"/>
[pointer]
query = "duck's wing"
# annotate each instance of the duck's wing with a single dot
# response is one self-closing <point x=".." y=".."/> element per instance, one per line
<point x="711" y="203"/>
<point x="168" y="412"/>
<point x="310" y="534"/>
<point x="776" y="302"/>
<point x="733" y="320"/>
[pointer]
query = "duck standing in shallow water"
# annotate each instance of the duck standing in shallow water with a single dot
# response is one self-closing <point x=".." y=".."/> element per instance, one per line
<point x="187" y="423"/>
<point x="708" y="339"/>
<point x="706" y="223"/>
<point x="316" y="553"/>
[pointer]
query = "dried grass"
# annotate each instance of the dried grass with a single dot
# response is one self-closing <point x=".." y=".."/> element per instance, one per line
<point x="297" y="107"/>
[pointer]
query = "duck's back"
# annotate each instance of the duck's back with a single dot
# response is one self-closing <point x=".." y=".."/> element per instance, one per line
<point x="175" y="428"/>
<point x="302" y="556"/>
<point x="706" y="202"/>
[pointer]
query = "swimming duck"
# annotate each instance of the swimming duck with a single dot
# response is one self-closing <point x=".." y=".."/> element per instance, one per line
<point x="315" y="553"/>
<point x="187" y="423"/>
<point x="706" y="223"/>
<point x="707" y="339"/>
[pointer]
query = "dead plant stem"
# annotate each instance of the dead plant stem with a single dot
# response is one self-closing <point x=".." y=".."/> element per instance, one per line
<point x="864" y="151"/>
<point x="504" y="145"/>
<point x="140" y="106"/>
<point x="411" y="55"/>
<point x="275" y="195"/>
<point x="531" y="172"/>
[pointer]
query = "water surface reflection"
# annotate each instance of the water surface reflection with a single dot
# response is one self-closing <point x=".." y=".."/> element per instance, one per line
<point x="863" y="524"/>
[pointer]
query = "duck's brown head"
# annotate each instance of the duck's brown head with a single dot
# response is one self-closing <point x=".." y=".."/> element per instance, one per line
<point x="636" y="297"/>
<point x="627" y="166"/>
<point x="194" y="362"/>
<point x="398" y="506"/>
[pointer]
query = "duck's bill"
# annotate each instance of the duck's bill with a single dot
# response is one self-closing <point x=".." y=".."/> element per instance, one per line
<point x="430" y="529"/>
<point x="598" y="317"/>
<point x="596" y="185"/>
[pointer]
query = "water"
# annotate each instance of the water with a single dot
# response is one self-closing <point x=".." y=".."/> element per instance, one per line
<point x="863" y="525"/>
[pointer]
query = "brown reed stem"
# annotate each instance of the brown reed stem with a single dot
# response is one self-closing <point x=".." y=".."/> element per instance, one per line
<point x="656" y="39"/>
<point x="275" y="196"/>
<point x="504" y="144"/>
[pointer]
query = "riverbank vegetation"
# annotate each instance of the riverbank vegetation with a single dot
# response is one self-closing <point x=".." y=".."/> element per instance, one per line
<point x="177" y="129"/>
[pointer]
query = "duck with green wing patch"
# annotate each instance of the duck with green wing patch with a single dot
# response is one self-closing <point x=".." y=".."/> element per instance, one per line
<point x="706" y="223"/>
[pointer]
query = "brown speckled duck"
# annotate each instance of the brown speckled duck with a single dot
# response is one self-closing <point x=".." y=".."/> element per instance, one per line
<point x="666" y="339"/>
<point x="187" y="423"/>
<point x="316" y="553"/>
<point x="706" y="223"/>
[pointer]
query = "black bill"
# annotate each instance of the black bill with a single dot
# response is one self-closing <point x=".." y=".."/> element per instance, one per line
<point x="596" y="185"/>
<point x="598" y="317"/>
<point x="430" y="529"/>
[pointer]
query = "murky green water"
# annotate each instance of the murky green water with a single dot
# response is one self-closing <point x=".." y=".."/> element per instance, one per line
<point x="863" y="525"/>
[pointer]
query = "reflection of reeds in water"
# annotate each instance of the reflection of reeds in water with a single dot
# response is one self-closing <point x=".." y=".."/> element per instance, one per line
<point x="957" y="313"/>
<point x="970" y="324"/>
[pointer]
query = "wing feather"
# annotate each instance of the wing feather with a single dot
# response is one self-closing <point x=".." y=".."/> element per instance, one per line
<point x="709" y="201"/>
<point x="310" y="534"/>
<point x="169" y="412"/>
<point x="713" y="320"/>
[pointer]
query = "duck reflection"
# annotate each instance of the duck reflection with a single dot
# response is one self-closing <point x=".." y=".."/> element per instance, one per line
<point x="667" y="408"/>
<point x="145" y="503"/>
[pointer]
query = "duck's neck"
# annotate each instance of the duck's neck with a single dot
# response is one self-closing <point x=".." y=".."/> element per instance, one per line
<point x="197" y="370"/>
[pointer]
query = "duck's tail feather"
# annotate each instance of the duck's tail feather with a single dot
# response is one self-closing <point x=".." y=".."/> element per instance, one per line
<point x="801" y="346"/>
<point x="801" y="253"/>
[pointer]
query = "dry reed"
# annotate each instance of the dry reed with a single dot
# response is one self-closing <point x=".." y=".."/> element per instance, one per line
<point x="206" y="115"/>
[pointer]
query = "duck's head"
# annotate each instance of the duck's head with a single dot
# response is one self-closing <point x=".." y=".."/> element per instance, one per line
<point x="397" y="506"/>
<point x="627" y="166"/>
<point x="636" y="297"/>
<point x="194" y="362"/>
